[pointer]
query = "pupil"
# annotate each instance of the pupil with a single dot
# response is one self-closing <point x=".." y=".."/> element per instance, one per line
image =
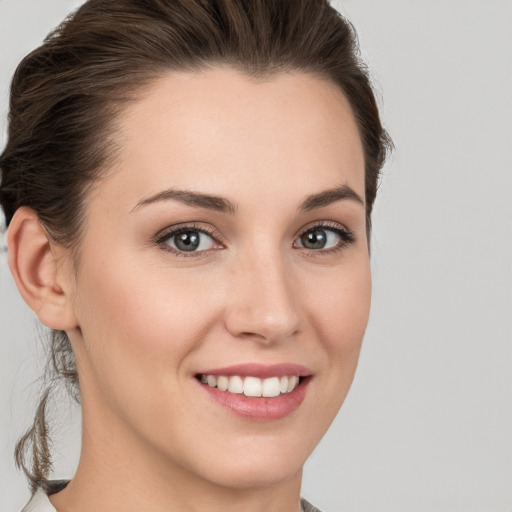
<point x="314" y="239"/>
<point x="187" y="241"/>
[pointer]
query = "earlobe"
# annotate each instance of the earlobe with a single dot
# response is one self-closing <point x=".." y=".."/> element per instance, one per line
<point x="37" y="271"/>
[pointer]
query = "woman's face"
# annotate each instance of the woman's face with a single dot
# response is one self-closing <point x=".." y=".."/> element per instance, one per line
<point x="228" y="244"/>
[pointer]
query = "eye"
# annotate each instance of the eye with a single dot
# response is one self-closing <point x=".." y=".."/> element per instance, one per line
<point x="187" y="239"/>
<point x="324" y="237"/>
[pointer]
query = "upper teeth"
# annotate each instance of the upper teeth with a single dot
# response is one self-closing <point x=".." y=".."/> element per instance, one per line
<point x="252" y="386"/>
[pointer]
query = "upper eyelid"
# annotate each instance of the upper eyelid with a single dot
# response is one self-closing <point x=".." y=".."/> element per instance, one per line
<point x="170" y="230"/>
<point x="336" y="226"/>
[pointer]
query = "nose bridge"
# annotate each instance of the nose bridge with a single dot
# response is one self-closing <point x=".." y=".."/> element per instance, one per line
<point x="263" y="303"/>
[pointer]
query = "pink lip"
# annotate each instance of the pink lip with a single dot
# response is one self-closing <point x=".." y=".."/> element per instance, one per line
<point x="260" y="408"/>
<point x="260" y="370"/>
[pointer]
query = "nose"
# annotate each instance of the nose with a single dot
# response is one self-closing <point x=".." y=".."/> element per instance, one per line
<point x="262" y="303"/>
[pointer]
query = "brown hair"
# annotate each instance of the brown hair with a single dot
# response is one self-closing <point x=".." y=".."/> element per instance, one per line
<point x="65" y="96"/>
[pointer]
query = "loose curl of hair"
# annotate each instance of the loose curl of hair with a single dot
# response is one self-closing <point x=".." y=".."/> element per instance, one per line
<point x="66" y="95"/>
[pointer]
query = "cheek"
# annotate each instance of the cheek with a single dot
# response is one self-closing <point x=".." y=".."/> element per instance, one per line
<point x="345" y="305"/>
<point x="132" y="303"/>
<point x="139" y="323"/>
<point x="342" y="313"/>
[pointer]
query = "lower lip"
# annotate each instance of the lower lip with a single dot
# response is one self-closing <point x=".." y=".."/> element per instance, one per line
<point x="259" y="408"/>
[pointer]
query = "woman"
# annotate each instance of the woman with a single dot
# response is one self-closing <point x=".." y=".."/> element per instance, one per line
<point x="188" y="187"/>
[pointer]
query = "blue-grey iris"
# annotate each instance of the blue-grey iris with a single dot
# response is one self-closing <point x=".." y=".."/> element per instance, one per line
<point x="314" y="239"/>
<point x="187" y="241"/>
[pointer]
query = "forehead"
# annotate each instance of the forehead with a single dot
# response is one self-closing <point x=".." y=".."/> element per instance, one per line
<point x="218" y="130"/>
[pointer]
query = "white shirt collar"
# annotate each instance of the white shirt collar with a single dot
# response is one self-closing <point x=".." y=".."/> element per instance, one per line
<point x="39" y="503"/>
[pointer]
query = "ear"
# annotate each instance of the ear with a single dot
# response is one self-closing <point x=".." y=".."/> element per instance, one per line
<point x="39" y="270"/>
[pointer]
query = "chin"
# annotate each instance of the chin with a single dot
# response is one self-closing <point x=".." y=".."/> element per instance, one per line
<point x="262" y="461"/>
<point x="247" y="474"/>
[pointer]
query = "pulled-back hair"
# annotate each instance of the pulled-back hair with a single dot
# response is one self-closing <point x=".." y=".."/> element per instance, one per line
<point x="66" y="95"/>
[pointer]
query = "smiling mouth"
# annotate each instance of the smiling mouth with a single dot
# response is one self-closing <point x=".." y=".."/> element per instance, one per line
<point x="257" y="392"/>
<point x="252" y="386"/>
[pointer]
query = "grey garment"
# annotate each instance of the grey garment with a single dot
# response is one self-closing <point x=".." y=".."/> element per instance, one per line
<point x="307" y="507"/>
<point x="40" y="502"/>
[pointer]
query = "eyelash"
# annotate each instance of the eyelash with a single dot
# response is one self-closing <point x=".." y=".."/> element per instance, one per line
<point x="171" y="232"/>
<point x="346" y="238"/>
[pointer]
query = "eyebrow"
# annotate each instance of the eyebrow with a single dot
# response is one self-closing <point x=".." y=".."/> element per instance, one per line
<point x="223" y="205"/>
<point x="327" y="197"/>
<point x="208" y="201"/>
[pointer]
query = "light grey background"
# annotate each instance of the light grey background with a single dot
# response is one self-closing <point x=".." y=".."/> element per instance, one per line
<point x="427" y="425"/>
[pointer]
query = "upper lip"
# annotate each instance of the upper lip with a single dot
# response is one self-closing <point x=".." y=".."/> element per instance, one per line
<point x="260" y="370"/>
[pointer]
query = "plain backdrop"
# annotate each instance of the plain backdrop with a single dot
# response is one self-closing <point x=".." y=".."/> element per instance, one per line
<point x="427" y="425"/>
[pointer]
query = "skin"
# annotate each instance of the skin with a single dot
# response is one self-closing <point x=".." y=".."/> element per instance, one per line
<point x="143" y="320"/>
